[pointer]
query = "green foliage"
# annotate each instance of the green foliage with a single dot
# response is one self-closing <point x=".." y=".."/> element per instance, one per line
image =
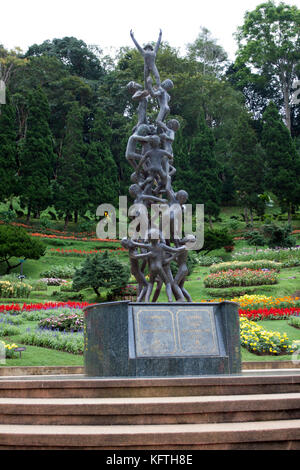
<point x="69" y="189"/>
<point x="269" y="53"/>
<point x="69" y="342"/>
<point x="78" y="58"/>
<point x="247" y="160"/>
<point x="101" y="271"/>
<point x="37" y="155"/>
<point x="282" y="160"/>
<point x="279" y="236"/>
<point x="8" y="151"/>
<point x="256" y="238"/>
<point x="63" y="272"/>
<point x="217" y="238"/>
<point x="294" y="321"/>
<point x="16" y="243"/>
<point x="191" y="262"/>
<point x="204" y="182"/>
<point x="206" y="260"/>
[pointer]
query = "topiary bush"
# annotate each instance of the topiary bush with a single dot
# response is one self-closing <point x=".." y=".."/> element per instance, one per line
<point x="101" y="271"/>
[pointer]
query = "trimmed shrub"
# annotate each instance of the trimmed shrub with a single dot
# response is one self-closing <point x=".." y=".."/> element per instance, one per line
<point x="253" y="264"/>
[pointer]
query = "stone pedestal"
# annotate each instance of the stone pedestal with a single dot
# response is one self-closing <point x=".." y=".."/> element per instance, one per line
<point x="126" y="339"/>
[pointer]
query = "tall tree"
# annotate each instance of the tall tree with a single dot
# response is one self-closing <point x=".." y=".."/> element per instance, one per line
<point x="282" y="160"/>
<point x="269" y="44"/>
<point x="70" y="187"/>
<point x="208" y="53"/>
<point x="8" y="150"/>
<point x="74" y="53"/>
<point x="102" y="171"/>
<point x="247" y="162"/>
<point x="204" y="184"/>
<point x="37" y="155"/>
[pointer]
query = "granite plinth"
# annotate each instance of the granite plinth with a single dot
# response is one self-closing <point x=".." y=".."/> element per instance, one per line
<point x="126" y="339"/>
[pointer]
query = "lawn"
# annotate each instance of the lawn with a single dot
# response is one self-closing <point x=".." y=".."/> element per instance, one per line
<point x="289" y="284"/>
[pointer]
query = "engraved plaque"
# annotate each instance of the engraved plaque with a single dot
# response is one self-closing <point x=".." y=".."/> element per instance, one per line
<point x="154" y="332"/>
<point x="175" y="331"/>
<point x="197" y="331"/>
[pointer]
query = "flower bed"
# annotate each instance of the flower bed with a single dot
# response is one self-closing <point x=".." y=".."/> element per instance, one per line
<point x="75" y="252"/>
<point x="63" y="322"/>
<point x="241" y="277"/>
<point x="269" y="313"/>
<point x="287" y="256"/>
<point x="14" y="289"/>
<point x="53" y="281"/>
<point x="9" y="349"/>
<point x="69" y="342"/>
<point x="16" y="308"/>
<point x="260" y="341"/>
<point x="73" y="237"/>
<point x="252" y="302"/>
<point x="253" y="264"/>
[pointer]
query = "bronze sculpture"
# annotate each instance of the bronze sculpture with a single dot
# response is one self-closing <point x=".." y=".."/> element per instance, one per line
<point x="150" y="153"/>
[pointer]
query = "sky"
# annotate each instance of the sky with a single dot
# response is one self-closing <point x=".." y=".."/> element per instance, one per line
<point x="107" y="23"/>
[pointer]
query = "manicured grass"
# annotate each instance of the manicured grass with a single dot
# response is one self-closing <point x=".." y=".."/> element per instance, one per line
<point x="289" y="283"/>
<point x="35" y="356"/>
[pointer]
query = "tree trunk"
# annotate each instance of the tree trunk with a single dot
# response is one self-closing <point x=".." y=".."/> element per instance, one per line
<point x="287" y="108"/>
<point x="75" y="217"/>
<point x="96" y="291"/>
<point x="251" y="217"/>
<point x="66" y="221"/>
<point x="28" y="213"/>
<point x="210" y="222"/>
<point x="246" y="215"/>
<point x="289" y="214"/>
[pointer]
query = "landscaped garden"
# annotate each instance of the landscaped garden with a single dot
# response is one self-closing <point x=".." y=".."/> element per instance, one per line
<point x="43" y="311"/>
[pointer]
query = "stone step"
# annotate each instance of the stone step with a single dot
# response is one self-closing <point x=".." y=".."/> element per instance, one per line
<point x="158" y="410"/>
<point x="258" y="435"/>
<point x="250" y="382"/>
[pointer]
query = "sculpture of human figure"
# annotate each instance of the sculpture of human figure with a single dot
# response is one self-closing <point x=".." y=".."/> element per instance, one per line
<point x="176" y="202"/>
<point x="163" y="98"/>
<point x="156" y="160"/>
<point x="183" y="271"/>
<point x="168" y="136"/>
<point x="142" y="96"/>
<point x="177" y="292"/>
<point x="149" y="55"/>
<point x="135" y="269"/>
<point x="139" y="196"/>
<point x="156" y="257"/>
<point x="141" y="135"/>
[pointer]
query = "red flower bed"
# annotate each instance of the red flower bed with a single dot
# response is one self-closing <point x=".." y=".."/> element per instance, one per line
<point x="75" y="252"/>
<point x="42" y="306"/>
<point x="269" y="313"/>
<point x="72" y="237"/>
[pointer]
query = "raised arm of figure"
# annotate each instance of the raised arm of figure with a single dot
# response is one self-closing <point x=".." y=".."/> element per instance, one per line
<point x="158" y="42"/>
<point x="139" y="48"/>
<point x="141" y="255"/>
